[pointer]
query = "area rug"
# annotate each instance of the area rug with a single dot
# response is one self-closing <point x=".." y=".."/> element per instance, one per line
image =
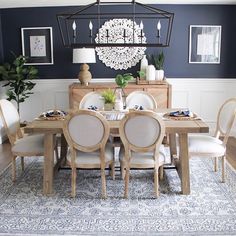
<point x="210" y="209"/>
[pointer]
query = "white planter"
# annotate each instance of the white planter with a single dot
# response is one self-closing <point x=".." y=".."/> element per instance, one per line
<point x="159" y="74"/>
<point x="150" y="72"/>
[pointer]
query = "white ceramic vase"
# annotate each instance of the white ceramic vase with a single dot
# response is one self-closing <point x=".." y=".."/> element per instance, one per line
<point x="144" y="64"/>
<point x="159" y="74"/>
<point x="150" y="72"/>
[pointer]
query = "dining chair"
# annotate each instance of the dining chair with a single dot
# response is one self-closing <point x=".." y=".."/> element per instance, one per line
<point x="141" y="99"/>
<point x="21" y="145"/>
<point x="92" y="100"/>
<point x="87" y="133"/>
<point x="215" y="146"/>
<point x="142" y="133"/>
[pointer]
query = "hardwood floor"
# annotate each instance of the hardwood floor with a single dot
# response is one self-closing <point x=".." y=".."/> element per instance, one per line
<point x="5" y="155"/>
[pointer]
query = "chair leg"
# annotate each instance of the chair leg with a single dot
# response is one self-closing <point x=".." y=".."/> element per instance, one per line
<point x="112" y="166"/>
<point x="223" y="169"/>
<point x="73" y="182"/>
<point x="22" y="163"/>
<point x="156" y="182"/>
<point x="215" y="164"/>
<point x="122" y="170"/>
<point x="161" y="172"/>
<point x="56" y="149"/>
<point x="127" y="183"/>
<point x="13" y="168"/>
<point x="103" y="177"/>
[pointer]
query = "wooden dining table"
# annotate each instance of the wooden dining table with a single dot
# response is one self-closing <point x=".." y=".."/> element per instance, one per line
<point x="173" y="127"/>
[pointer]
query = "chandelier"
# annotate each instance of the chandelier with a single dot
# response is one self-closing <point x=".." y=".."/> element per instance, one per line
<point x="116" y="24"/>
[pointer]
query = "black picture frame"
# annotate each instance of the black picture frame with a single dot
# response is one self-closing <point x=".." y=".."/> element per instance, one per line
<point x="205" y="44"/>
<point x="37" y="45"/>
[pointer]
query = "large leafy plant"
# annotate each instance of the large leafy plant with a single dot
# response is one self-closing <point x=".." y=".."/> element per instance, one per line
<point x="18" y="78"/>
<point x="122" y="80"/>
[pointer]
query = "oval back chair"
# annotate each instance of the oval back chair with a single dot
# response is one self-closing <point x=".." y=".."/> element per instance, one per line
<point x="87" y="133"/>
<point x="92" y="99"/>
<point x="141" y="98"/>
<point x="215" y="147"/>
<point x="142" y="133"/>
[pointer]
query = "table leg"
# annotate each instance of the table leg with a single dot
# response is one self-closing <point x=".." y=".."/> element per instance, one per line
<point x="63" y="149"/>
<point x="48" y="164"/>
<point x="184" y="163"/>
<point x="173" y="149"/>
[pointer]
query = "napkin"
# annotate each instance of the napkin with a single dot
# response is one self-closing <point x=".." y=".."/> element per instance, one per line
<point x="137" y="107"/>
<point x="94" y="108"/>
<point x="185" y="113"/>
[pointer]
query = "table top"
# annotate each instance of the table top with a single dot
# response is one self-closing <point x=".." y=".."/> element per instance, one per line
<point x="172" y="126"/>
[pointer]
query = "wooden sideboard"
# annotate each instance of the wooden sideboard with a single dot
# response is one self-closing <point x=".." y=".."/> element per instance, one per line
<point x="161" y="92"/>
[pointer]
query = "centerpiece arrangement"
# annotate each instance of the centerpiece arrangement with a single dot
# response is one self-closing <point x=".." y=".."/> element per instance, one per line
<point x="109" y="99"/>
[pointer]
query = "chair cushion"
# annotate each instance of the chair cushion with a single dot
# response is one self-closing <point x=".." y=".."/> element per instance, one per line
<point x="29" y="144"/>
<point x="205" y="144"/>
<point x="144" y="158"/>
<point x="93" y="158"/>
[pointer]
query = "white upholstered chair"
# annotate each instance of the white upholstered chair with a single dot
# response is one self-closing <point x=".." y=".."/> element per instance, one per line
<point x="92" y="99"/>
<point x="21" y="146"/>
<point x="142" y="133"/>
<point x="214" y="147"/>
<point x="87" y="133"/>
<point x="141" y="98"/>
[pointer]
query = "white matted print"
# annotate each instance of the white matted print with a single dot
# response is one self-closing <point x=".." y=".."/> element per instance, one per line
<point x="204" y="44"/>
<point x="37" y="45"/>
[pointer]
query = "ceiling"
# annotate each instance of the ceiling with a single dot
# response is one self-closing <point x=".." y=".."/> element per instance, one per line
<point x="42" y="3"/>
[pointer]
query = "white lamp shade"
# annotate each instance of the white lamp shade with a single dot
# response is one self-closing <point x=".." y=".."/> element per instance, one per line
<point x="84" y="55"/>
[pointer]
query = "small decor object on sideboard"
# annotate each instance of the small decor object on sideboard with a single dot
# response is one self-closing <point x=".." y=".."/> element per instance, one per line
<point x="143" y="65"/>
<point x="84" y="55"/>
<point x="150" y="72"/>
<point x="158" y="61"/>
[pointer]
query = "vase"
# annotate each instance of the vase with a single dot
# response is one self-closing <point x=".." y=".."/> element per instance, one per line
<point x="151" y="72"/>
<point x="108" y="106"/>
<point x="144" y="64"/>
<point x="159" y="74"/>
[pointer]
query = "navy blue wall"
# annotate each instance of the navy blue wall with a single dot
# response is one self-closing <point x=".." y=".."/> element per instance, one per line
<point x="1" y="45"/>
<point x="176" y="64"/>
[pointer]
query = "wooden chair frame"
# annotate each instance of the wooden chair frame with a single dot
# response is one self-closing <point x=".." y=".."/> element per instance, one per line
<point x="128" y="147"/>
<point x="100" y="146"/>
<point x="220" y="133"/>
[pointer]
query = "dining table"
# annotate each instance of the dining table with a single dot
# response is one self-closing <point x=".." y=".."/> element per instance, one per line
<point x="174" y="127"/>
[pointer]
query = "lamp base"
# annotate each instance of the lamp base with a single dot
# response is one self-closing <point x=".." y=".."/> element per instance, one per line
<point x="84" y="75"/>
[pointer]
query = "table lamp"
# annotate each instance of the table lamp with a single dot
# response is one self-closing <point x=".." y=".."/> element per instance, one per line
<point x="84" y="55"/>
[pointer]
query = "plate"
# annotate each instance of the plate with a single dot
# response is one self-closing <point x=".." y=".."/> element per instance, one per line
<point x="53" y="115"/>
<point x="180" y="117"/>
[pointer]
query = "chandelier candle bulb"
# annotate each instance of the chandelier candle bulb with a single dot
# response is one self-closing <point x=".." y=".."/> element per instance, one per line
<point x="74" y="29"/>
<point x="91" y="28"/>
<point x="159" y="29"/>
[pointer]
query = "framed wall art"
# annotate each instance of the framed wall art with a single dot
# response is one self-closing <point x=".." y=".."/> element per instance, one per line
<point x="37" y="45"/>
<point x="204" y="44"/>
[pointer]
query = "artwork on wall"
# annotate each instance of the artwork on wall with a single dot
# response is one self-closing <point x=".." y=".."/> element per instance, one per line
<point x="37" y="45"/>
<point x="120" y="31"/>
<point x="204" y="44"/>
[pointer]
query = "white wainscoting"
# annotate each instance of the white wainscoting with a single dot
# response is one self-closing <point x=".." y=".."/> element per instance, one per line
<point x="204" y="96"/>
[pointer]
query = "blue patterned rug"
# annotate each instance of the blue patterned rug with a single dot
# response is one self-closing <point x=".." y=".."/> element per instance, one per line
<point x="209" y="210"/>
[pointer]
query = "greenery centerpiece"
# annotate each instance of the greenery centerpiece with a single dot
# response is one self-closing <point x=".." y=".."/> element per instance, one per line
<point x="158" y="61"/>
<point x="122" y="81"/>
<point x="109" y="99"/>
<point x="18" y="78"/>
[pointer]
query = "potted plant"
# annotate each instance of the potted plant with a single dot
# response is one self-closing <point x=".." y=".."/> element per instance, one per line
<point x="109" y="99"/>
<point x="158" y="61"/>
<point x="18" y="79"/>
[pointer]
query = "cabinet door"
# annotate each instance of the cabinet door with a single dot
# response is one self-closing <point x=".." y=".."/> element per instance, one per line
<point x="160" y="95"/>
<point x="76" y="95"/>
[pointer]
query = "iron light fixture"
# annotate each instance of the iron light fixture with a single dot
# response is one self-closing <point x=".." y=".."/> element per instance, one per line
<point x="87" y="27"/>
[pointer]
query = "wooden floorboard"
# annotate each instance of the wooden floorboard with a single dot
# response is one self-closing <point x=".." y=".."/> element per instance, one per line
<point x="5" y="154"/>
